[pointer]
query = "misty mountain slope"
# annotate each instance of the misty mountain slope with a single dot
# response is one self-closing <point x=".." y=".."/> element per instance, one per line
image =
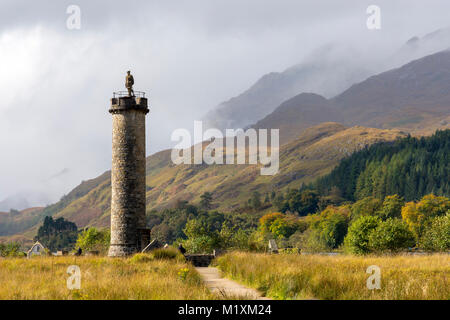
<point x="314" y="153"/>
<point x="422" y="85"/>
<point x="17" y="202"/>
<point x="418" y="47"/>
<point x="15" y="222"/>
<point x="296" y="114"/>
<point x="414" y="98"/>
<point x="328" y="72"/>
<point x="331" y="70"/>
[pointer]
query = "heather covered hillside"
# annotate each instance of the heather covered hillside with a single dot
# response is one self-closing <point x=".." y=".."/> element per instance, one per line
<point x="312" y="154"/>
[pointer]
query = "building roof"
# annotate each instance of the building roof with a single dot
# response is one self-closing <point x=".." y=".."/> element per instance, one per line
<point x="37" y="243"/>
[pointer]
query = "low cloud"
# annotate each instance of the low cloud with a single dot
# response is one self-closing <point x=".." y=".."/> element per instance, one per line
<point x="56" y="83"/>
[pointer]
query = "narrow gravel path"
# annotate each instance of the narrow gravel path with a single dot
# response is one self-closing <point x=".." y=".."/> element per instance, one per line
<point x="225" y="287"/>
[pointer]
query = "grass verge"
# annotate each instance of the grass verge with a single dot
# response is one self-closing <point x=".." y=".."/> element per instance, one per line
<point x="340" y="277"/>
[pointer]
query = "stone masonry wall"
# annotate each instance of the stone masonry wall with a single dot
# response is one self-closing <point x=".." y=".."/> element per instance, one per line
<point x="127" y="174"/>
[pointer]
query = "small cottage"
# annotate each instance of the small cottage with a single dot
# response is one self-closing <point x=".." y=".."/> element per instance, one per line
<point x="36" y="250"/>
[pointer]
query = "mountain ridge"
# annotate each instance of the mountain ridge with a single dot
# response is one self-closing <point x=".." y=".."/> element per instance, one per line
<point x="343" y="66"/>
<point x="414" y="98"/>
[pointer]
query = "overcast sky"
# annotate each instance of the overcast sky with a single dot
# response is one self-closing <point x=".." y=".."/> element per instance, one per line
<point x="55" y="83"/>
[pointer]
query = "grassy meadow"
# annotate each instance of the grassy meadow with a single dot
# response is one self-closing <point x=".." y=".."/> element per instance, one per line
<point x="163" y="276"/>
<point x="343" y="277"/>
<point x="139" y="277"/>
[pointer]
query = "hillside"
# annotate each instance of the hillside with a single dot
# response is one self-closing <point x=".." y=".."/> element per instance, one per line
<point x="409" y="167"/>
<point x="418" y="47"/>
<point x="411" y="97"/>
<point x="328" y="72"/>
<point x="13" y="223"/>
<point x="312" y="154"/>
<point x="267" y="93"/>
<point x="414" y="98"/>
<point x="297" y="114"/>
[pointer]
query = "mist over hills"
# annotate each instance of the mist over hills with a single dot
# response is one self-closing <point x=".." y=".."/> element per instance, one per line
<point x="329" y="71"/>
<point x="414" y="98"/>
<point x="24" y="200"/>
<point x="39" y="194"/>
<point x="418" y="47"/>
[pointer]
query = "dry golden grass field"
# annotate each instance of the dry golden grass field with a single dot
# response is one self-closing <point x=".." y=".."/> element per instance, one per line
<point x="343" y="277"/>
<point x="139" y="277"/>
<point x="280" y="276"/>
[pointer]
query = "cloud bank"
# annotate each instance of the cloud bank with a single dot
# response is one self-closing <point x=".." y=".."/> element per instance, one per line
<point x="55" y="83"/>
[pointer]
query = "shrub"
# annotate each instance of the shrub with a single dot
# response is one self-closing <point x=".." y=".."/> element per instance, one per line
<point x="233" y="238"/>
<point x="289" y="251"/>
<point x="296" y="240"/>
<point x="200" y="244"/>
<point x="11" y="249"/>
<point x="165" y="254"/>
<point x="437" y="235"/>
<point x="201" y="236"/>
<point x="392" y="235"/>
<point x="357" y="239"/>
<point x="327" y="229"/>
<point x="279" y="225"/>
<point x="311" y="241"/>
<point x="256" y="242"/>
<point x="141" y="258"/>
<point x="93" y="239"/>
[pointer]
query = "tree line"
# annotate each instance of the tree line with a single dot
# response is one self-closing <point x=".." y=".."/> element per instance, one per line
<point x="409" y="167"/>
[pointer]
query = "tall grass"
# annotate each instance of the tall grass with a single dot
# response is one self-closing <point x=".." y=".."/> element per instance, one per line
<point x="101" y="278"/>
<point x="340" y="277"/>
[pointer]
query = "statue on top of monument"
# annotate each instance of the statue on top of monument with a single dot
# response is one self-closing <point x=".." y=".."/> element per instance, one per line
<point x="129" y="81"/>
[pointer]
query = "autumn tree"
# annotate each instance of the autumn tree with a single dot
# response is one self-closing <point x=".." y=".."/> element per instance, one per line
<point x="418" y="215"/>
<point x="368" y="206"/>
<point x="391" y="207"/>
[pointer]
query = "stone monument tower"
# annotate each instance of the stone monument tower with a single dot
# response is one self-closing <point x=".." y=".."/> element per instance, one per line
<point x="128" y="224"/>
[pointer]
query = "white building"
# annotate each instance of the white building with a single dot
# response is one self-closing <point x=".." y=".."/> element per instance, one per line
<point x="36" y="250"/>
